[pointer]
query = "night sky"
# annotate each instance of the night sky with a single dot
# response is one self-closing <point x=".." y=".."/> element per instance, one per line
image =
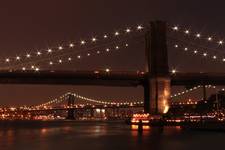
<point x="31" y="25"/>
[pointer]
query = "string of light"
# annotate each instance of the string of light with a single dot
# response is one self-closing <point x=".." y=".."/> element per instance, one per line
<point x="198" y="52"/>
<point x="197" y="35"/>
<point x="68" y="59"/>
<point x="113" y="102"/>
<point x="73" y="45"/>
<point x="105" y="102"/>
<point x="88" y="51"/>
<point x="191" y="90"/>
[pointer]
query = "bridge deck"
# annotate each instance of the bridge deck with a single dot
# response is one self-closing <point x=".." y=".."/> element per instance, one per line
<point x="104" y="78"/>
<point x="72" y="78"/>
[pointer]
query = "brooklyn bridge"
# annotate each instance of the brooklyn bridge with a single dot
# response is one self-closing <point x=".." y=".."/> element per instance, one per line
<point x="156" y="80"/>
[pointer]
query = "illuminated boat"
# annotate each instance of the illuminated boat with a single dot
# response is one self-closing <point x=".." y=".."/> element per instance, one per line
<point x="142" y="119"/>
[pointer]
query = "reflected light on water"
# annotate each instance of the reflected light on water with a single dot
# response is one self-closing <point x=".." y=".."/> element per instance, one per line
<point x="136" y="133"/>
<point x="43" y="131"/>
<point x="135" y="127"/>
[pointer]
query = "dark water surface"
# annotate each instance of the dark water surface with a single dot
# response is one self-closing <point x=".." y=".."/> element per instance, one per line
<point x="69" y="135"/>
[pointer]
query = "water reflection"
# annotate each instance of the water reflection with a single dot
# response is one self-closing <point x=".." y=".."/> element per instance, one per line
<point x="110" y="136"/>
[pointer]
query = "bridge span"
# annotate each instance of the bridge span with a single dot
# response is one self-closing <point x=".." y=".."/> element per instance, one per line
<point x="103" y="78"/>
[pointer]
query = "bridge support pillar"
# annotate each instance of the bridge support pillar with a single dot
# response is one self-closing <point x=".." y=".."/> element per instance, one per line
<point x="157" y="85"/>
<point x="70" y="114"/>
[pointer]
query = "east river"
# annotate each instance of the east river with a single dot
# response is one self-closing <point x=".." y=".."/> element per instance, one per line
<point x="71" y="135"/>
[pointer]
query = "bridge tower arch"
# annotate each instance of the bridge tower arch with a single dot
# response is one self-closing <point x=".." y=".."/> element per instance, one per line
<point x="157" y="83"/>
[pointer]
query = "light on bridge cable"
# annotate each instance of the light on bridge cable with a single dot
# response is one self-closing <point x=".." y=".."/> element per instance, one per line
<point x="28" y="55"/>
<point x="140" y="27"/>
<point x="186" y="31"/>
<point x="204" y="54"/>
<point x="71" y="45"/>
<point x="174" y="71"/>
<point x="49" y="50"/>
<point x="175" y="28"/>
<point x="107" y="70"/>
<point x="7" y="60"/>
<point x="209" y="38"/>
<point x="38" y="53"/>
<point x="50" y="63"/>
<point x="198" y="35"/>
<point x="17" y="58"/>
<point x="94" y="39"/>
<point x="60" y="47"/>
<point x="82" y="42"/>
<point x="220" y="42"/>
<point x="128" y="30"/>
<point x="117" y="33"/>
<point x="37" y="69"/>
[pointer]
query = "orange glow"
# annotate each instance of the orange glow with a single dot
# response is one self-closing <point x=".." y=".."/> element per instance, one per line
<point x="135" y="127"/>
<point x="146" y="127"/>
